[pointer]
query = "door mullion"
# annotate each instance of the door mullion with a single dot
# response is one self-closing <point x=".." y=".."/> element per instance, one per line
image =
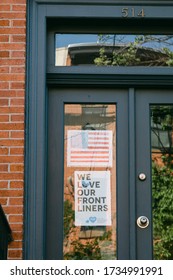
<point x="143" y="166"/>
<point x="132" y="173"/>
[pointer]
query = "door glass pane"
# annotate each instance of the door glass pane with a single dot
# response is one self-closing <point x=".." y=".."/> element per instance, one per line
<point x="113" y="50"/>
<point x="162" y="180"/>
<point x="89" y="181"/>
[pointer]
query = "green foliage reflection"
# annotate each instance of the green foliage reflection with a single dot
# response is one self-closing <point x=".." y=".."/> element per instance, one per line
<point x="162" y="184"/>
<point x="81" y="249"/>
<point x="143" y="50"/>
<point x="162" y="187"/>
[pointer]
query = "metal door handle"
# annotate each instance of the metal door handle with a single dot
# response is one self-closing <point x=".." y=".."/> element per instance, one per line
<point x="143" y="222"/>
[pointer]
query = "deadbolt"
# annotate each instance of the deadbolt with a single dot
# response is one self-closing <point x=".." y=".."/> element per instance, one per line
<point x="142" y="222"/>
<point x="142" y="177"/>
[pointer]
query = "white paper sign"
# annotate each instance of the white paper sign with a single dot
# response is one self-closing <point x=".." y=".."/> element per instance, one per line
<point x="92" y="198"/>
<point x="89" y="148"/>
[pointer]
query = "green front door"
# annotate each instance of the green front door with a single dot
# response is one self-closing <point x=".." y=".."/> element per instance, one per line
<point x="87" y="196"/>
<point x="110" y="184"/>
<point x="154" y="191"/>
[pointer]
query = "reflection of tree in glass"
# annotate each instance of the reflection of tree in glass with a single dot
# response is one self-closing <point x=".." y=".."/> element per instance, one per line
<point x="76" y="248"/>
<point x="141" y="50"/>
<point x="162" y="186"/>
<point x="89" y="250"/>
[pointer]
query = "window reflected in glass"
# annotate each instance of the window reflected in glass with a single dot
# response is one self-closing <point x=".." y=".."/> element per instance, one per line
<point x="113" y="50"/>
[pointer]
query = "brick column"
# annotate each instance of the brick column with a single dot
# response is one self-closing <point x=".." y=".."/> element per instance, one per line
<point x="12" y="93"/>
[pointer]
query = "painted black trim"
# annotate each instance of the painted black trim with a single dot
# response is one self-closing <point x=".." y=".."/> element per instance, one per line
<point x="107" y="2"/>
<point x="120" y="80"/>
<point x="132" y="172"/>
<point x="144" y="237"/>
<point x="35" y="156"/>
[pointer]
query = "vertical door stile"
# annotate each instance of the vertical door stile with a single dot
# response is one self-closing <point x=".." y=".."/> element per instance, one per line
<point x="132" y="172"/>
<point x="143" y="176"/>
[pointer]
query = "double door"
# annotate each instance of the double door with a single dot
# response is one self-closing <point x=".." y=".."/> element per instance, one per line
<point x="109" y="178"/>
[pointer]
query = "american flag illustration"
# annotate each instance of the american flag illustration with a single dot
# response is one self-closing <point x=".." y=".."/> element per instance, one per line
<point x="89" y="148"/>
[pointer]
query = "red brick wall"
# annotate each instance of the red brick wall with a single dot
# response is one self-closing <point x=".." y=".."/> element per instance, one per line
<point x="12" y="92"/>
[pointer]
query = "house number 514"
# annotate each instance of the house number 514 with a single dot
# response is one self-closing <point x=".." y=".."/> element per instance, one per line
<point x="132" y="12"/>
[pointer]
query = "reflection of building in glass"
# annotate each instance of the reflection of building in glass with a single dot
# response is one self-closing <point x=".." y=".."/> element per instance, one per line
<point x="162" y="132"/>
<point x="87" y="53"/>
<point x="88" y="242"/>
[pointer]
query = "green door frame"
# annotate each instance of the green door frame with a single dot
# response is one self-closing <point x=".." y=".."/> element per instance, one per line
<point x="42" y="75"/>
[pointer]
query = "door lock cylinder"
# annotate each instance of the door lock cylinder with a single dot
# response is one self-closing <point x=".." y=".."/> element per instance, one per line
<point x="143" y="222"/>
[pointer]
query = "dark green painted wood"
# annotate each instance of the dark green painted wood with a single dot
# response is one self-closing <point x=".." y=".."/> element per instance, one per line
<point x="42" y="16"/>
<point x="57" y="99"/>
<point x="143" y="163"/>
